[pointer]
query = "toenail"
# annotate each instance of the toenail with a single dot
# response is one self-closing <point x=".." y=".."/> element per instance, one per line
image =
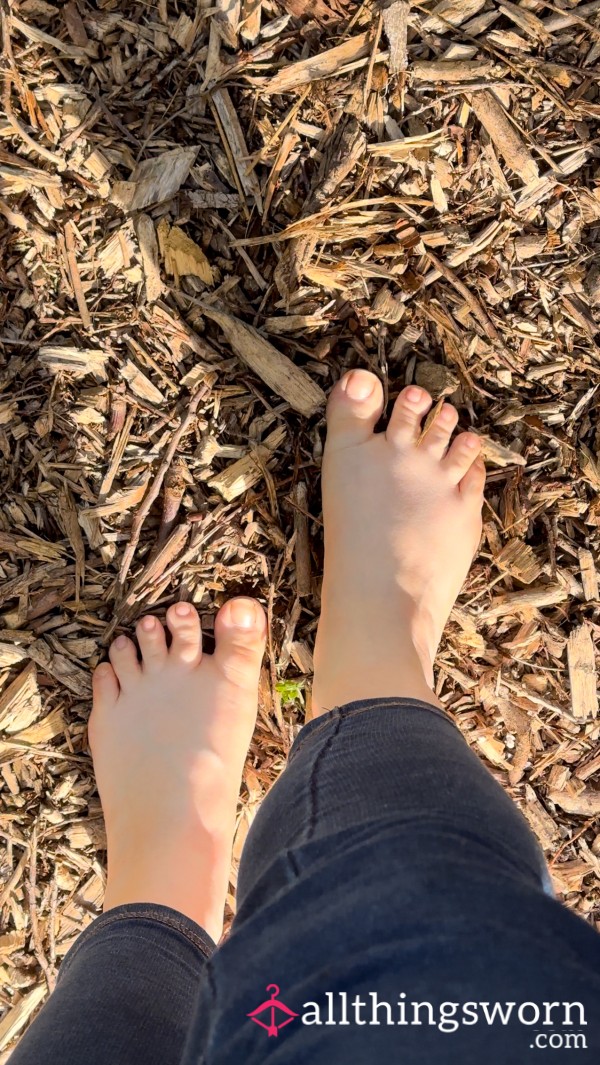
<point x="413" y="395"/>
<point x="182" y="609"/>
<point x="103" y="669"/>
<point x="446" y="412"/>
<point x="121" y="642"/>
<point x="359" y="384"/>
<point x="471" y="441"/>
<point x="242" y="613"/>
<point x="147" y="624"/>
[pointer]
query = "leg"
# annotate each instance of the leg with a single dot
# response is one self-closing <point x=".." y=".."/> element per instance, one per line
<point x="169" y="737"/>
<point x="386" y="860"/>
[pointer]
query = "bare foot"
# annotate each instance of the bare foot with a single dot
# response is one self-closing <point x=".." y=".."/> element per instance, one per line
<point x="169" y="737"/>
<point x="402" y="517"/>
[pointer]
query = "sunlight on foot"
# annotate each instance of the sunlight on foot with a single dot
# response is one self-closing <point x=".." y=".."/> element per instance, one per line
<point x="169" y="735"/>
<point x="402" y="514"/>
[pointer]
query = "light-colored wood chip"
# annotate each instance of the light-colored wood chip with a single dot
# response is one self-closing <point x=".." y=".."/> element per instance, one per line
<point x="155" y="179"/>
<point x="277" y="371"/>
<point x="249" y="470"/>
<point x="20" y="702"/>
<point x="581" y="658"/>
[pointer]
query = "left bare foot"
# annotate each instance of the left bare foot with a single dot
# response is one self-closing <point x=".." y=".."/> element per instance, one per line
<point x="169" y="736"/>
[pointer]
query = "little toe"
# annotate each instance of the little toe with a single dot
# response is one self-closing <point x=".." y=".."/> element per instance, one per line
<point x="240" y="632"/>
<point x="354" y="406"/>
<point x="436" y="439"/>
<point x="124" y="660"/>
<point x="461" y="455"/>
<point x="405" y="420"/>
<point x="105" y="686"/>
<point x="153" y="645"/>
<point x="473" y="482"/>
<point x="185" y="629"/>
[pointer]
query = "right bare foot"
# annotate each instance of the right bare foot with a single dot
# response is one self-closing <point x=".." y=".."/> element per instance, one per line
<point x="169" y="735"/>
<point x="402" y="515"/>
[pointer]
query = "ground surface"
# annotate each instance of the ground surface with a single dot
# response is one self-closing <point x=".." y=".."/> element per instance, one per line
<point x="414" y="190"/>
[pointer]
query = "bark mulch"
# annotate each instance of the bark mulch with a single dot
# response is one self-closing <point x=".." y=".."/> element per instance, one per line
<point x="207" y="213"/>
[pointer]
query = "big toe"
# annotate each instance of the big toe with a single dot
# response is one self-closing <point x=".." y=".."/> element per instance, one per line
<point x="240" y="633"/>
<point x="354" y="406"/>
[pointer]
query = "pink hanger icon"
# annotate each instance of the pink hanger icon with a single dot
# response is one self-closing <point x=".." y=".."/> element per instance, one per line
<point x="272" y="1004"/>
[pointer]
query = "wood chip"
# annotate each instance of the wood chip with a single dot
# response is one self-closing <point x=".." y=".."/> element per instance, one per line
<point x="306" y="70"/>
<point x="518" y="559"/>
<point x="182" y="256"/>
<point x="582" y="672"/>
<point x="278" y="372"/>
<point x="247" y="471"/>
<point x="504" y="136"/>
<point x="20" y="702"/>
<point x="155" y="179"/>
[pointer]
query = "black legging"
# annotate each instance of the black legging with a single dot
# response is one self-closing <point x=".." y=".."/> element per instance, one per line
<point x="392" y="901"/>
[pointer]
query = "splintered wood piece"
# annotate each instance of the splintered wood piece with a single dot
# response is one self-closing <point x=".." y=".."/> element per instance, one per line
<point x="395" y="25"/>
<point x="70" y="524"/>
<point x="65" y="358"/>
<point x="11" y="655"/>
<point x="16" y="1018"/>
<point x="62" y="668"/>
<point x="75" y="278"/>
<point x="539" y="819"/>
<point x="276" y="370"/>
<point x="302" y="544"/>
<point x="526" y="20"/>
<point x="250" y="20"/>
<point x="430" y="419"/>
<point x="50" y="726"/>
<point x="182" y="256"/>
<point x="302" y="656"/>
<point x="401" y="150"/>
<point x="247" y="471"/>
<point x="141" y="385"/>
<point x="581" y="659"/>
<point x="451" y="13"/>
<point x="155" y="179"/>
<point x="450" y="71"/>
<point x="319" y="66"/>
<point x="498" y="455"/>
<point x="518" y="559"/>
<point x="146" y="235"/>
<point x="20" y="702"/>
<point x="503" y="135"/>
<point x="235" y="142"/>
<point x="589" y="574"/>
<point x="587" y="802"/>
<point x="532" y="599"/>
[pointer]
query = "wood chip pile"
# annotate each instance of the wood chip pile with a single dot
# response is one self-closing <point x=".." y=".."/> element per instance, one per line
<point x="207" y="213"/>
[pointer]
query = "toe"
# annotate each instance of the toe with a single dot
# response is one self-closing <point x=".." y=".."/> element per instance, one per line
<point x="436" y="437"/>
<point x="124" y="660"/>
<point x="473" y="482"/>
<point x="354" y="406"/>
<point x="184" y="626"/>
<point x="105" y="686"/>
<point x="240" y="631"/>
<point x="405" y="421"/>
<point x="461" y="455"/>
<point x="153" y="645"/>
